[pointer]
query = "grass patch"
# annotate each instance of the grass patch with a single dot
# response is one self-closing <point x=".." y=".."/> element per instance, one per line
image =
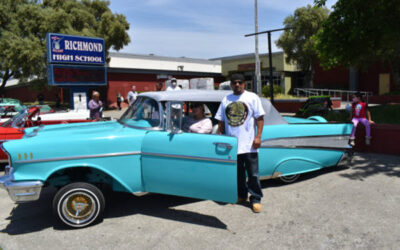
<point x="284" y="96"/>
<point x="387" y="114"/>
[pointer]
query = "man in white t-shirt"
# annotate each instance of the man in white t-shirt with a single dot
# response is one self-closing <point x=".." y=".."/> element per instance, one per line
<point x="173" y="85"/>
<point x="132" y="95"/>
<point x="239" y="114"/>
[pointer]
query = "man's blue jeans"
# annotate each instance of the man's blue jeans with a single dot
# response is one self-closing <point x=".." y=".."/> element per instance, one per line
<point x="248" y="162"/>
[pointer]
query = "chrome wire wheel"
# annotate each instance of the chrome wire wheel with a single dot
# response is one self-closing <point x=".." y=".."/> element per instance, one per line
<point x="289" y="178"/>
<point x="79" y="204"/>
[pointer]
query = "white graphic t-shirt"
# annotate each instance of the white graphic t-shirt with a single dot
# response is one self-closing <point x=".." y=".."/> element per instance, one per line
<point x="239" y="112"/>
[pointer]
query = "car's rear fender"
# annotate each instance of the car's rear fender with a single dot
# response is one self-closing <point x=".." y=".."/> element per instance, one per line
<point x="296" y="166"/>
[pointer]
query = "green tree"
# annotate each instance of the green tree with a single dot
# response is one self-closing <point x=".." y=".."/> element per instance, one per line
<point x="359" y="33"/>
<point x="298" y="43"/>
<point x="24" y="24"/>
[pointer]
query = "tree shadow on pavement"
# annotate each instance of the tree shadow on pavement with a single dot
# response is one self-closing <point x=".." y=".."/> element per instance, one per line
<point x="38" y="215"/>
<point x="366" y="165"/>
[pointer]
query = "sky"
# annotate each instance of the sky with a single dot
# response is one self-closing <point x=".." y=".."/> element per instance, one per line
<point x="202" y="28"/>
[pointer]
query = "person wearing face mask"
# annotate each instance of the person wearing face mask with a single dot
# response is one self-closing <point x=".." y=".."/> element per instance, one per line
<point x="360" y="113"/>
<point x="173" y="86"/>
<point x="132" y="95"/>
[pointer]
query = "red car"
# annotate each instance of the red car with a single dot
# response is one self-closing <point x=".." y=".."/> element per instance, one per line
<point x="14" y="127"/>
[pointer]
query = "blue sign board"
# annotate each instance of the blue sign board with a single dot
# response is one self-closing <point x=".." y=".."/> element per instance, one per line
<point x="76" y="75"/>
<point x="75" y="49"/>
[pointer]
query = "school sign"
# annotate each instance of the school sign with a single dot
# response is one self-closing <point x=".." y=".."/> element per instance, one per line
<point x="75" y="60"/>
<point x="75" y="49"/>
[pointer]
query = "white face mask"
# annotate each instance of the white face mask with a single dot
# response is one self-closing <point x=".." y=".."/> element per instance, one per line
<point x="174" y="84"/>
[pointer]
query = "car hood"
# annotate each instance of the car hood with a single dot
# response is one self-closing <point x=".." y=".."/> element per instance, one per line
<point x="74" y="140"/>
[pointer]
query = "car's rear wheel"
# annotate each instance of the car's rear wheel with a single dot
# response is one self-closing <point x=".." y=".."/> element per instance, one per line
<point x="79" y="204"/>
<point x="289" y="178"/>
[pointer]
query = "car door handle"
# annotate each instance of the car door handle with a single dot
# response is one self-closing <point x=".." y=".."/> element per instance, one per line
<point x="223" y="145"/>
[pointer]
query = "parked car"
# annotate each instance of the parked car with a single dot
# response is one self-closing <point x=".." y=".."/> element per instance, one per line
<point x="315" y="105"/>
<point x="147" y="151"/>
<point x="10" y="107"/>
<point x="13" y="128"/>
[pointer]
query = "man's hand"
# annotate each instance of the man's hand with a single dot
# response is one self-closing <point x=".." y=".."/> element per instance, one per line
<point x="256" y="143"/>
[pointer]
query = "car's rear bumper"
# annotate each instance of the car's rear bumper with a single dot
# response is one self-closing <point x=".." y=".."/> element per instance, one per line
<point x="346" y="158"/>
<point x="20" y="191"/>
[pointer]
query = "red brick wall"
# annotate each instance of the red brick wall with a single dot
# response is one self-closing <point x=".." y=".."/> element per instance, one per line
<point x="369" y="79"/>
<point x="385" y="139"/>
<point x="26" y="94"/>
<point x="121" y="82"/>
<point x="336" y="78"/>
<point x="117" y="82"/>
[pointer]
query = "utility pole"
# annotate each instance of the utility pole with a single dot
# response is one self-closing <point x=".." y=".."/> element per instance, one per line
<point x="270" y="56"/>
<point x="257" y="64"/>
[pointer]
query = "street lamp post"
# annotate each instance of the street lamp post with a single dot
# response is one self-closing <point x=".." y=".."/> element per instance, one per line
<point x="270" y="56"/>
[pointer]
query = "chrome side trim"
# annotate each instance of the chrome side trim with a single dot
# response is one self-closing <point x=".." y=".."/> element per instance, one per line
<point x="139" y="194"/>
<point x="198" y="158"/>
<point x="275" y="175"/>
<point x="330" y="142"/>
<point x="80" y="157"/>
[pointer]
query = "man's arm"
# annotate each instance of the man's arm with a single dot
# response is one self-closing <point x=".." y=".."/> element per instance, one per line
<point x="260" y="126"/>
<point x="221" y="127"/>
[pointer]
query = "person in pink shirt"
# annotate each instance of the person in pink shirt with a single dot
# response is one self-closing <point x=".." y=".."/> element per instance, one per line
<point x="198" y="122"/>
<point x="360" y="113"/>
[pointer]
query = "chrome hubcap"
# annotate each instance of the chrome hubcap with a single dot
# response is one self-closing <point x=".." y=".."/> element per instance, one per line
<point x="78" y="207"/>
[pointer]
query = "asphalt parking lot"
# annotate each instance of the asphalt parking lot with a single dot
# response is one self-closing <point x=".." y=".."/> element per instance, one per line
<point x="335" y="208"/>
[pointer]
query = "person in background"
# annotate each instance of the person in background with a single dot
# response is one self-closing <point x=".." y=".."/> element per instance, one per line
<point x="95" y="106"/>
<point x="159" y="86"/>
<point x="58" y="100"/>
<point x="241" y="115"/>
<point x="119" y="100"/>
<point x="132" y="95"/>
<point x="173" y="86"/>
<point x="198" y="122"/>
<point x="40" y="98"/>
<point x="360" y="113"/>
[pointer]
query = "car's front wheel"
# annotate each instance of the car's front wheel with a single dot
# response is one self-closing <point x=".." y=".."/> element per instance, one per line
<point x="79" y="204"/>
<point x="289" y="178"/>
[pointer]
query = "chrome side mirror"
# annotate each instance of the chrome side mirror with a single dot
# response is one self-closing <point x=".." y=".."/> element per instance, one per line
<point x="174" y="117"/>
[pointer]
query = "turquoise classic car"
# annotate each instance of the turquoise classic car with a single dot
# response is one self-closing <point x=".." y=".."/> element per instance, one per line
<point x="147" y="151"/>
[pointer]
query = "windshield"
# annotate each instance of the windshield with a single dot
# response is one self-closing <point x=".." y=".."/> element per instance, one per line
<point x="16" y="121"/>
<point x="143" y="113"/>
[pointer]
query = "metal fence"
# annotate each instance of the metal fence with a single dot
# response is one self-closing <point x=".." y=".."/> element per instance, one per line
<point x="344" y="94"/>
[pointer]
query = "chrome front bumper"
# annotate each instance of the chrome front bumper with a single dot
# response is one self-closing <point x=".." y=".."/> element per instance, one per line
<point x="20" y="191"/>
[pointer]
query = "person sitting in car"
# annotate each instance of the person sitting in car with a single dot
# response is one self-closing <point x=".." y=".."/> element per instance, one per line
<point x="197" y="122"/>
